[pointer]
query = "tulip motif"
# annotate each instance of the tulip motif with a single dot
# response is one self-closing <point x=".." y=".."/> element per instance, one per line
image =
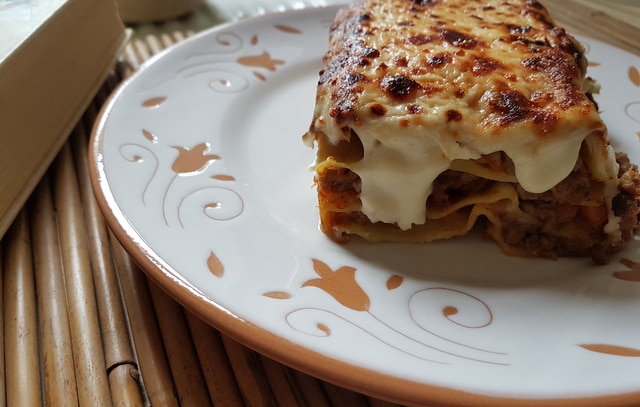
<point x="341" y="284"/>
<point x="194" y="160"/>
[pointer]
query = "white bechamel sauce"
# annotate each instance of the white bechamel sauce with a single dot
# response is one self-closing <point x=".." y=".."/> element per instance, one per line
<point x="546" y="164"/>
<point x="397" y="173"/>
<point x="397" y="176"/>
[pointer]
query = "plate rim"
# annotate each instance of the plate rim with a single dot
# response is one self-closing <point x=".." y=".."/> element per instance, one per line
<point x="269" y="344"/>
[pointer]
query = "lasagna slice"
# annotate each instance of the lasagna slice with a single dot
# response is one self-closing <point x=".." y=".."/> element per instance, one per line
<point x="433" y="117"/>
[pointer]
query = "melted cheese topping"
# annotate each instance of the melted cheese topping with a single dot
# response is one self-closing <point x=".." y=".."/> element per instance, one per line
<point x="422" y="83"/>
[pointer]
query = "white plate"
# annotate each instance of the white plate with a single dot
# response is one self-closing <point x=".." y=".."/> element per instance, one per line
<point x="200" y="170"/>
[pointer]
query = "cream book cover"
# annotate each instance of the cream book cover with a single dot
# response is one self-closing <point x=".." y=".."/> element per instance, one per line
<point x="54" y="56"/>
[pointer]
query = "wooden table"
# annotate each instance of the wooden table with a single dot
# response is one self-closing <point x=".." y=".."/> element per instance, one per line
<point x="82" y="325"/>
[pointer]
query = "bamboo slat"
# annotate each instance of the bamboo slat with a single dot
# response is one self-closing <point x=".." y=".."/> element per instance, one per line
<point x="152" y="359"/>
<point x="58" y="373"/>
<point x="339" y="396"/>
<point x="252" y="382"/>
<point x="216" y="368"/>
<point x="20" y="318"/>
<point x="183" y="360"/>
<point x="120" y="362"/>
<point x="3" y="376"/>
<point x="380" y="403"/>
<point x="311" y="390"/>
<point x="283" y="387"/>
<point x="88" y="355"/>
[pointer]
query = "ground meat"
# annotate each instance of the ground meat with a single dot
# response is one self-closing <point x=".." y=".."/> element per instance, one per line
<point x="337" y="180"/>
<point x="497" y="161"/>
<point x="576" y="189"/>
<point x="551" y="216"/>
<point x="626" y="204"/>
<point x="567" y="220"/>
<point x="451" y="186"/>
<point x="628" y="174"/>
<point x="562" y="227"/>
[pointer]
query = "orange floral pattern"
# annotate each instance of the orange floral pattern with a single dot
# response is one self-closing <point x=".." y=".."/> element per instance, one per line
<point x="192" y="160"/>
<point x="634" y="75"/>
<point x="394" y="282"/>
<point x="264" y="60"/>
<point x="259" y="60"/>
<point x="215" y="265"/>
<point x="341" y="285"/>
<point x="154" y="102"/>
<point x="612" y="350"/>
<point x="633" y="272"/>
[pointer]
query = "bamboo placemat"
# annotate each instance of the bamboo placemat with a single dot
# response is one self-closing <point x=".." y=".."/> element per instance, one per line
<point x="611" y="21"/>
<point x="82" y="325"/>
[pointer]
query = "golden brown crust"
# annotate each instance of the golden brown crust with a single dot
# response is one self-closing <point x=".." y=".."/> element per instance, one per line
<point x="428" y="40"/>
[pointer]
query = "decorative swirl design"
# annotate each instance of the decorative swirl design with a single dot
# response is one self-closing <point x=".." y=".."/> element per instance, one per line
<point x="216" y="203"/>
<point x="632" y="110"/>
<point x="227" y="205"/>
<point x="223" y="80"/>
<point x="165" y="200"/>
<point x="229" y="43"/>
<point x="316" y="325"/>
<point x="342" y="285"/>
<point x="475" y="313"/>
<point x="227" y="82"/>
<point x="219" y="80"/>
<point x="317" y="322"/>
<point x="427" y="308"/>
<point x="480" y="317"/>
<point x="135" y="153"/>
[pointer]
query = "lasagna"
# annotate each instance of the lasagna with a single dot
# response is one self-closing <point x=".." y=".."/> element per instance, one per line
<point x="434" y="117"/>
